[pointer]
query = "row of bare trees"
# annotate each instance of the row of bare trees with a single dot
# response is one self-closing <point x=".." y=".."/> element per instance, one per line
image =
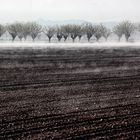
<point x="33" y="29"/>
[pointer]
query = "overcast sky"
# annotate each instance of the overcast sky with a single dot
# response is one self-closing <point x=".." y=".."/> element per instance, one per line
<point x="90" y="10"/>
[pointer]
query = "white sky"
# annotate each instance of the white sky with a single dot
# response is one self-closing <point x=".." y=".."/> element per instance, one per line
<point x="90" y="10"/>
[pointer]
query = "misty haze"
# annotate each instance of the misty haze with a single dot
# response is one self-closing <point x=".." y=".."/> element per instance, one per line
<point x="69" y="69"/>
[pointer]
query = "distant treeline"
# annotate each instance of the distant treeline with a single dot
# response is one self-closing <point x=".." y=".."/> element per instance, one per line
<point x="33" y="29"/>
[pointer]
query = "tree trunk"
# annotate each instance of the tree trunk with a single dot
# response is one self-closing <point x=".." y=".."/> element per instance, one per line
<point x="33" y="39"/>
<point x="88" y="39"/>
<point x="13" y="39"/>
<point x="126" y="37"/>
<point x="65" y="38"/>
<point x="49" y="39"/>
<point x="25" y="37"/>
<point x="79" y="38"/>
<point x="73" y="40"/>
<point x="119" y="39"/>
<point x="59" y="39"/>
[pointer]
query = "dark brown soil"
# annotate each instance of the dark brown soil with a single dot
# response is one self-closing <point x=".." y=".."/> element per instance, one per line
<point x="70" y="94"/>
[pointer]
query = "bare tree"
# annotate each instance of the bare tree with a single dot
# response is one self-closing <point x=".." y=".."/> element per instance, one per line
<point x="34" y="29"/>
<point x="138" y="27"/>
<point x="26" y="30"/>
<point x="81" y="32"/>
<point x="59" y="33"/>
<point x="89" y="30"/>
<point x="75" y="30"/>
<point x="49" y="32"/>
<point x="126" y="28"/>
<point x="12" y="29"/>
<point x="118" y="31"/>
<point x="23" y="29"/>
<point x="105" y="32"/>
<point x="19" y="30"/>
<point x="98" y="32"/>
<point x="2" y="30"/>
<point x="66" y="29"/>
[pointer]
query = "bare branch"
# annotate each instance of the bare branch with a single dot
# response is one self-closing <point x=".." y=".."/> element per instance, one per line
<point x="49" y="32"/>
<point x="12" y="29"/>
<point x="66" y="31"/>
<point x="89" y="30"/>
<point x="2" y="30"/>
<point x="105" y="32"/>
<point x="126" y="28"/>
<point x="34" y="29"/>
<point x="59" y="33"/>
